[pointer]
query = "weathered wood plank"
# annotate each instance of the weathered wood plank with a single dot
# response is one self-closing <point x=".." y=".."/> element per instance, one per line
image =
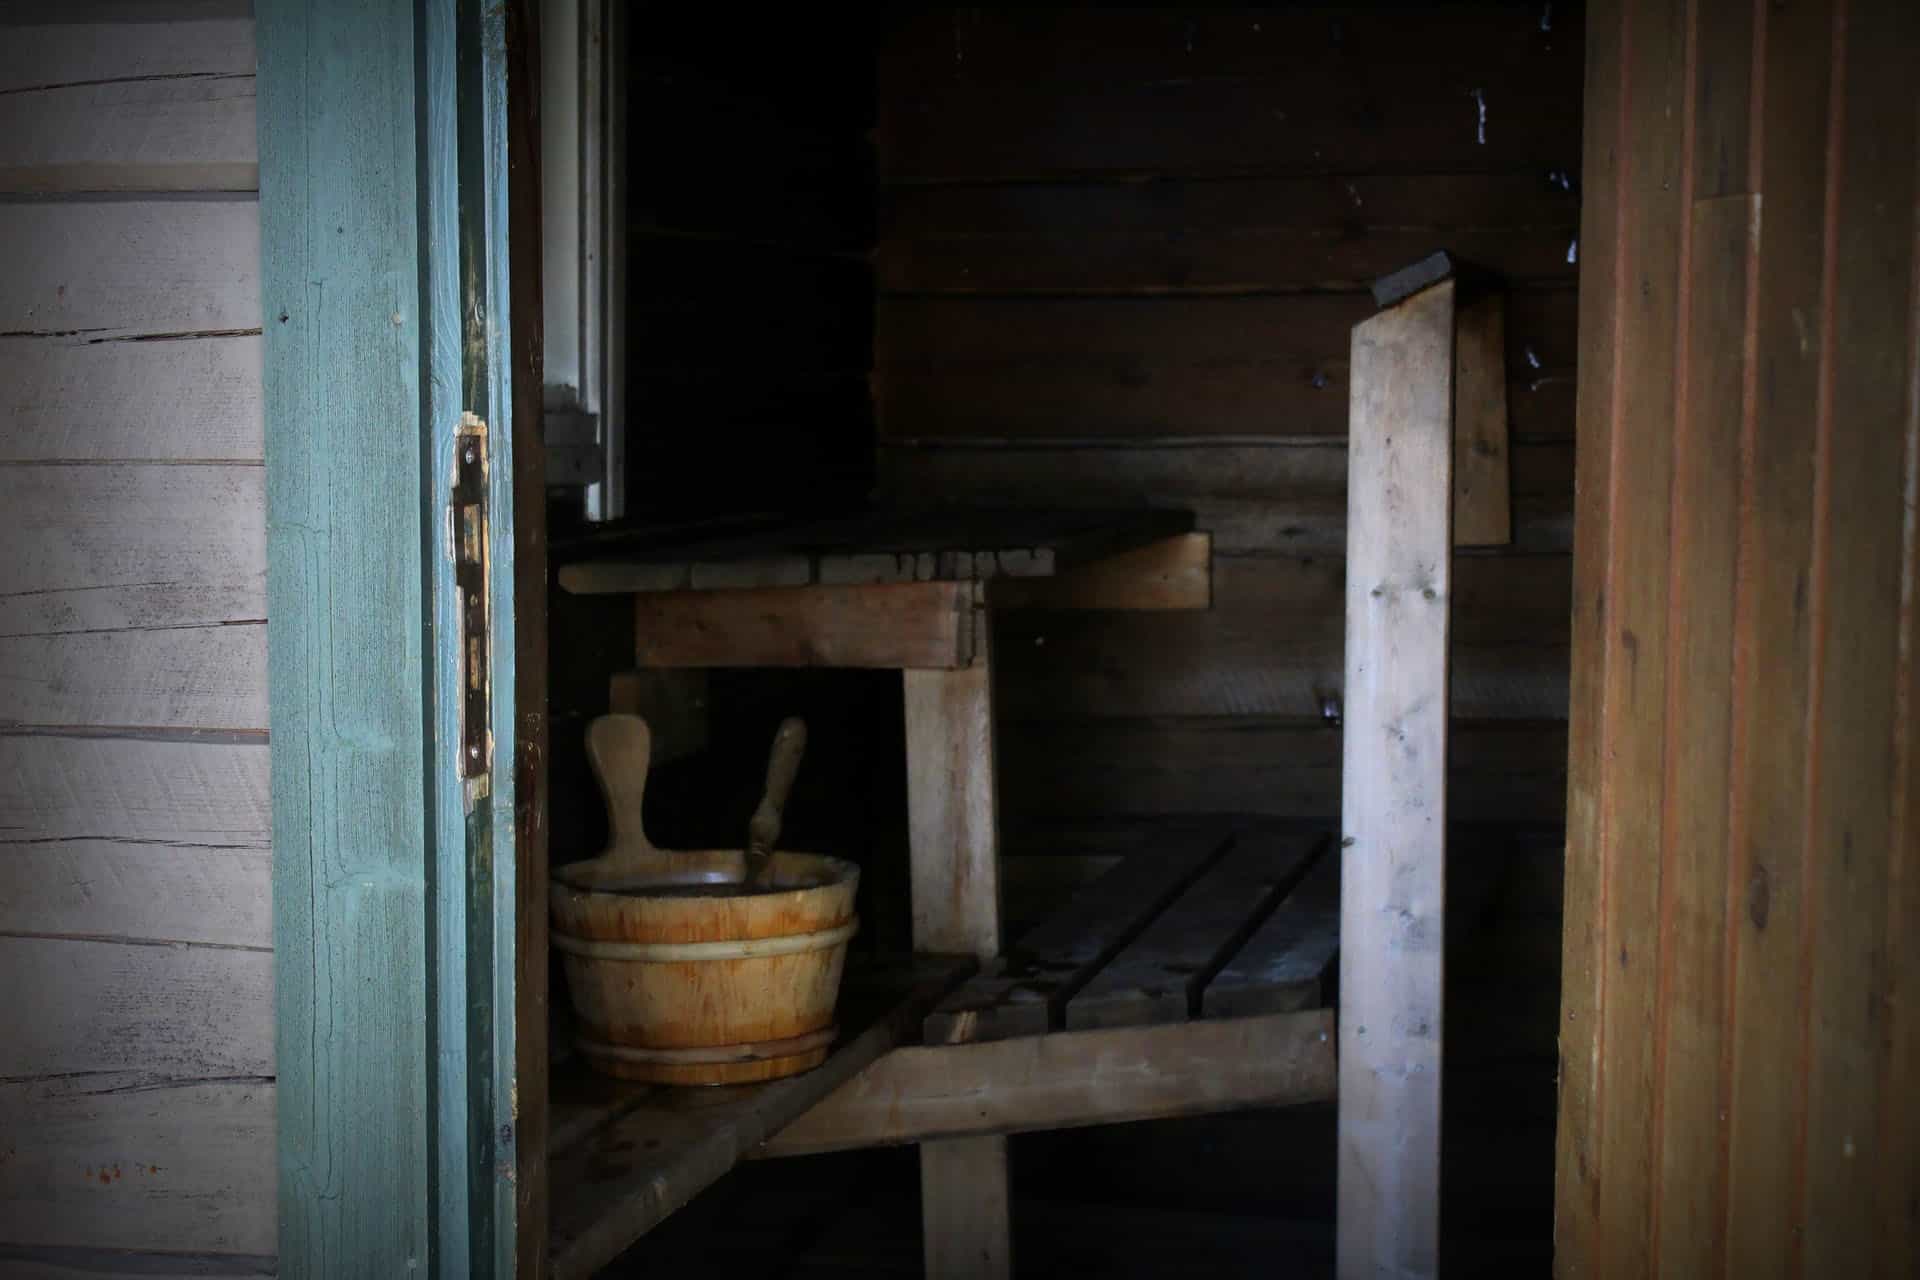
<point x="52" y="42"/>
<point x="1394" y="803"/>
<point x="72" y="399"/>
<point x="1783" y="590"/>
<point x="188" y="1169"/>
<point x="117" y="269"/>
<point x="104" y="548"/>
<point x="1026" y="994"/>
<point x="1692" y="1138"/>
<point x="1160" y="975"/>
<point x="1482" y="500"/>
<point x="1218" y="236"/>
<point x="1282" y="966"/>
<point x="203" y="677"/>
<point x="1070" y="1079"/>
<point x="148" y="841"/>
<point x="966" y="1208"/>
<point x="1272" y="642"/>
<point x="909" y="625"/>
<point x="1079" y="769"/>
<point x="110" y="1016"/>
<point x="667" y="1145"/>
<point x="1151" y="367"/>
<point x="1862" y="496"/>
<point x="1251" y="495"/>
<point x="953" y="812"/>
<point x="1583" y="967"/>
<point x="1172" y="574"/>
<point x="176" y="133"/>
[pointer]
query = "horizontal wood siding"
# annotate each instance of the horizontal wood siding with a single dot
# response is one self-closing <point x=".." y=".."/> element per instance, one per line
<point x="1737" y="1035"/>
<point x="1120" y="256"/>
<point x="137" y="1084"/>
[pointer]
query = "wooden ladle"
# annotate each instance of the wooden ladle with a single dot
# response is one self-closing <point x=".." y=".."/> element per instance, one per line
<point x="619" y="747"/>
<point x="763" y="831"/>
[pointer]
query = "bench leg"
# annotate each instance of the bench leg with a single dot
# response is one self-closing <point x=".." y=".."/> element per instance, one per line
<point x="953" y="830"/>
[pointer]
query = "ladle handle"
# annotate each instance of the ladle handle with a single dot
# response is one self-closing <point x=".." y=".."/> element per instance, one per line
<point x="763" y="832"/>
<point x="619" y="748"/>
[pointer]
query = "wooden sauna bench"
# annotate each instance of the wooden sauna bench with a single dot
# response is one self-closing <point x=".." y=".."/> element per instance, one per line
<point x="1190" y="978"/>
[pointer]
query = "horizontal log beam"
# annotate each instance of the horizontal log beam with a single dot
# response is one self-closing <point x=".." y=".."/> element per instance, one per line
<point x="900" y="626"/>
<point x="1171" y="574"/>
<point x="1071" y="1079"/>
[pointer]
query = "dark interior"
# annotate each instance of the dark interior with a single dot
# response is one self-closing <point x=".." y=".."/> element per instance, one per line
<point x="1089" y="257"/>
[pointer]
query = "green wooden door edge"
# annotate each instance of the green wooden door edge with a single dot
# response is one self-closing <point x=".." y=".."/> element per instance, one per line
<point x="384" y="284"/>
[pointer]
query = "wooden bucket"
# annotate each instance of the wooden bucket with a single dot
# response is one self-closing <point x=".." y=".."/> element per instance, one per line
<point x="678" y="976"/>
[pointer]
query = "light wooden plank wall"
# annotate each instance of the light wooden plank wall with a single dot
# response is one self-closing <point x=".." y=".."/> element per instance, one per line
<point x="1121" y="253"/>
<point x="1738" y="1034"/>
<point x="136" y="1085"/>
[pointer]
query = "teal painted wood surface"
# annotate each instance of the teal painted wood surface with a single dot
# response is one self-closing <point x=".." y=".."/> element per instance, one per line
<point x="383" y="245"/>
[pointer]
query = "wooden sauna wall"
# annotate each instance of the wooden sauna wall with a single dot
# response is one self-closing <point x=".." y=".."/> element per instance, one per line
<point x="1120" y="255"/>
<point x="1739" y="1046"/>
<point x="136" y="967"/>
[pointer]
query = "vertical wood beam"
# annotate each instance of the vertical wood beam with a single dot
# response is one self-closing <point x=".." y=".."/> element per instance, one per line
<point x="953" y="834"/>
<point x="1482" y="472"/>
<point x="346" y="497"/>
<point x="1394" y="803"/>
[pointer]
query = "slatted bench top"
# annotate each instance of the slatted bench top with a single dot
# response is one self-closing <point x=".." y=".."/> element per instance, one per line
<point x="1218" y="923"/>
<point x="881" y="547"/>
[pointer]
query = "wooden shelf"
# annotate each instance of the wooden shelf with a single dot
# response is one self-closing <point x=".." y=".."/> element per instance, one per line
<point x="885" y="548"/>
<point x="621" y="1157"/>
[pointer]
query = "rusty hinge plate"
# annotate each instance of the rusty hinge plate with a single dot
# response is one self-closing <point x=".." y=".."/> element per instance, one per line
<point x="470" y="582"/>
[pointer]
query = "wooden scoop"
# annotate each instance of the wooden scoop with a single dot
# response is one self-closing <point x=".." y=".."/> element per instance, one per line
<point x="763" y="832"/>
<point x="619" y="748"/>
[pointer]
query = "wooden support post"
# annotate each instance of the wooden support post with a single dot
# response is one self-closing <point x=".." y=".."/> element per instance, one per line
<point x="1399" y="543"/>
<point x="953" y="831"/>
<point x="1482" y="475"/>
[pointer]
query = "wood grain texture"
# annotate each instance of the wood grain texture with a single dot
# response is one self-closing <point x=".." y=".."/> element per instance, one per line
<point x="927" y="625"/>
<point x="1159" y="976"/>
<point x="141" y="1022"/>
<point x="209" y="677"/>
<point x="1271" y="646"/>
<point x="180" y="1169"/>
<point x="142" y="841"/>
<point x="1150" y="367"/>
<point x="195" y="399"/>
<point x="966" y="1208"/>
<point x="1027" y="992"/>
<point x="1247" y="235"/>
<point x="1482" y="498"/>
<point x="179" y="132"/>
<point x="81" y="1263"/>
<point x="1264" y="497"/>
<point x="340" y="181"/>
<point x="1767" y="206"/>
<point x="113" y="41"/>
<point x="108" y="548"/>
<point x="1394" y="804"/>
<point x="1860" y="497"/>
<point x="109" y="269"/>
<point x="953" y="810"/>
<point x="1079" y="769"/>
<point x="1070" y="1079"/>
<point x="1172" y="574"/>
<point x="1583" y="971"/>
<point x="1282" y="966"/>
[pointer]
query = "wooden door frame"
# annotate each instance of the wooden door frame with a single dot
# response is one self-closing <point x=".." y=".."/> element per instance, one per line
<point x="400" y="886"/>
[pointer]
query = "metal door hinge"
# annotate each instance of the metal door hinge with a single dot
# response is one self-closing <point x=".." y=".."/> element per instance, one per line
<point x="472" y="605"/>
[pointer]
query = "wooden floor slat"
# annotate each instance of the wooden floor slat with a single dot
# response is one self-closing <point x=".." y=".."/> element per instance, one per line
<point x="1027" y="994"/>
<point x="1159" y="977"/>
<point x="1284" y="964"/>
